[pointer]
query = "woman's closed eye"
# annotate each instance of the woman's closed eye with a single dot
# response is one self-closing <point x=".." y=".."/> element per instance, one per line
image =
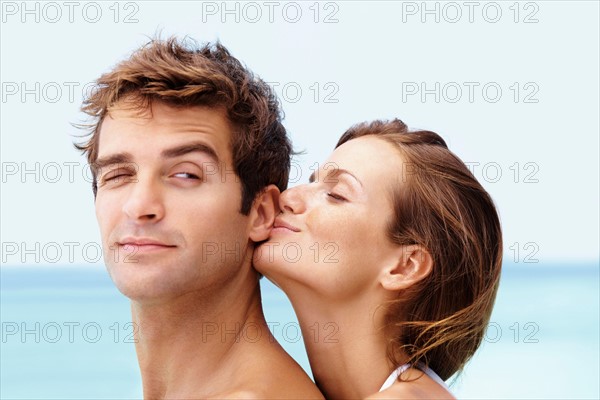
<point x="336" y="196"/>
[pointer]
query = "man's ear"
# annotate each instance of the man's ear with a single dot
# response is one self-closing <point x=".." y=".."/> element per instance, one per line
<point x="262" y="215"/>
<point x="414" y="263"/>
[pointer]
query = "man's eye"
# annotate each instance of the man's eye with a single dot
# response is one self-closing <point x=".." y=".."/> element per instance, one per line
<point x="115" y="177"/>
<point x="186" y="175"/>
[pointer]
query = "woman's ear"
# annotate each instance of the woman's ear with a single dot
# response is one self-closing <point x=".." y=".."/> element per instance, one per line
<point x="262" y="215"/>
<point x="414" y="264"/>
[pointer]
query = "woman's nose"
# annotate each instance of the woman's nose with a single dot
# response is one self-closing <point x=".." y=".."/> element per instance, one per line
<point x="293" y="199"/>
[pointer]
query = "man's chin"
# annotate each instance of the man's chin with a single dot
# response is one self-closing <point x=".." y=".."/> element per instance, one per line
<point x="142" y="285"/>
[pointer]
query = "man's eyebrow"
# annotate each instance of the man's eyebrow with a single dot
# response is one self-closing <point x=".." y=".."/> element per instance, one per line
<point x="127" y="158"/>
<point x="190" y="148"/>
<point x="119" y="158"/>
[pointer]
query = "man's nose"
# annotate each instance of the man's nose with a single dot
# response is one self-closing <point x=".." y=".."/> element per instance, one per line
<point x="144" y="201"/>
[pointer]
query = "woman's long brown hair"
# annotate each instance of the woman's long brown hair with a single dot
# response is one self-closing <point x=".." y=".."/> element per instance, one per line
<point x="438" y="204"/>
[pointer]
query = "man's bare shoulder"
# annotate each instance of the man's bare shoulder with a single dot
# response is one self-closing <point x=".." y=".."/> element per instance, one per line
<point x="275" y="385"/>
<point x="246" y="394"/>
<point x="265" y="370"/>
<point x="278" y="382"/>
<point x="265" y="393"/>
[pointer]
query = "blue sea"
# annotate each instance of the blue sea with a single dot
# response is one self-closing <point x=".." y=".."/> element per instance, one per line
<point x="66" y="334"/>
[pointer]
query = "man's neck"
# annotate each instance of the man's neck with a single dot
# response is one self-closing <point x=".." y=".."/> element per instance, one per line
<point x="186" y="345"/>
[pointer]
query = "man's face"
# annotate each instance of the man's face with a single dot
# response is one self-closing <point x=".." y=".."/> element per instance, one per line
<point x="168" y="202"/>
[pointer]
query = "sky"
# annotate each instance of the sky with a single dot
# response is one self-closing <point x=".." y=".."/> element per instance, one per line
<point x="511" y="86"/>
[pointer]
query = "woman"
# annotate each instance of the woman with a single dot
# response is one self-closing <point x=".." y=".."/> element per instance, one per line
<point x="391" y="259"/>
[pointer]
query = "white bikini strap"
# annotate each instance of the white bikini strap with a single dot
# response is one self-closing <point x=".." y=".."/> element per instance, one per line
<point x="394" y="376"/>
<point x="396" y="373"/>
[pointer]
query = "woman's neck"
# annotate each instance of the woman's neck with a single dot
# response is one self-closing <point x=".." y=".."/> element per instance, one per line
<point x="346" y="348"/>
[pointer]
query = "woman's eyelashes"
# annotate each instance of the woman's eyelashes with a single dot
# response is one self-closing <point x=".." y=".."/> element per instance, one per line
<point x="333" y="189"/>
<point x="336" y="196"/>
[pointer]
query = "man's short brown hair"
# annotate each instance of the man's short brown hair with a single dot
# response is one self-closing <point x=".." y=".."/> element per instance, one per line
<point x="182" y="73"/>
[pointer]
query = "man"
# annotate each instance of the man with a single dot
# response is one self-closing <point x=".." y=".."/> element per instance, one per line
<point x="189" y="155"/>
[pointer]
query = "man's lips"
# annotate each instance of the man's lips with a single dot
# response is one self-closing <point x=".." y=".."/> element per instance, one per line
<point x="282" y="225"/>
<point x="143" y="244"/>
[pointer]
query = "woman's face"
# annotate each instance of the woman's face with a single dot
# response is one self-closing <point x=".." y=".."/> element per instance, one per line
<point x="331" y="235"/>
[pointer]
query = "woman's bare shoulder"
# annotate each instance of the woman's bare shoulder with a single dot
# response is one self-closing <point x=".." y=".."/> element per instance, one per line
<point x="422" y="388"/>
